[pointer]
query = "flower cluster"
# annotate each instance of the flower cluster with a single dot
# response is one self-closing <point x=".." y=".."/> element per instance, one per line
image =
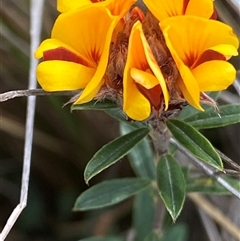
<point x="146" y="60"/>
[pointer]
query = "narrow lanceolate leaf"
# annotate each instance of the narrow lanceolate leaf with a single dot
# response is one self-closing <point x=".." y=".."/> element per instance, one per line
<point x="96" y="105"/>
<point x="143" y="213"/>
<point x="109" y="193"/>
<point x="195" y="142"/>
<point x="227" y="115"/>
<point x="171" y="185"/>
<point x="112" y="152"/>
<point x="152" y="236"/>
<point x="141" y="156"/>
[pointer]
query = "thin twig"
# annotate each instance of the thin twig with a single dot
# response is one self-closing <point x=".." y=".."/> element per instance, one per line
<point x="33" y="92"/>
<point x="229" y="172"/>
<point x="206" y="168"/>
<point x="36" y="10"/>
<point x="229" y="161"/>
<point x="215" y="213"/>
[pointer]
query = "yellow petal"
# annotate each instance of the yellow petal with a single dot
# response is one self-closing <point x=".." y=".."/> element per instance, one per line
<point x="118" y="8"/>
<point x="140" y="58"/>
<point x="51" y="44"/>
<point x="84" y="30"/>
<point x="98" y="79"/>
<point x="153" y="65"/>
<point x="143" y="78"/>
<point x="226" y="49"/>
<point x="165" y="9"/>
<point x="188" y="83"/>
<point x="68" y="5"/>
<point x="189" y="97"/>
<point x="189" y="43"/>
<point x="214" y="75"/>
<point x="203" y="8"/>
<point x="62" y="75"/>
<point x="135" y="105"/>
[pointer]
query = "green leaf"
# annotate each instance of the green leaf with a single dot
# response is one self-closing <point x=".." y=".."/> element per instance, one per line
<point x="177" y="232"/>
<point x="112" y="152"/>
<point x="195" y="142"/>
<point x="141" y="156"/>
<point x="96" y="105"/>
<point x="152" y="236"/>
<point x="102" y="239"/>
<point x="143" y="213"/>
<point x="228" y="115"/>
<point x="109" y="193"/>
<point x="209" y="185"/>
<point x="171" y="185"/>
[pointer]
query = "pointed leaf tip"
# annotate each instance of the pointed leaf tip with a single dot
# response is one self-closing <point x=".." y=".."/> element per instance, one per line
<point x="227" y="115"/>
<point x="112" y="152"/>
<point x="195" y="142"/>
<point x="171" y="185"/>
<point x="109" y="193"/>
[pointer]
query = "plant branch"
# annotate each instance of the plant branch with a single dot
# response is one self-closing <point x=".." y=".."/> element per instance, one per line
<point x="206" y="168"/>
<point x="229" y="161"/>
<point x="33" y="92"/>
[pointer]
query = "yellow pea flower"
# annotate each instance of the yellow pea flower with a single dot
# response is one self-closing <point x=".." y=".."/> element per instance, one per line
<point x="200" y="48"/>
<point x="76" y="55"/>
<point x="144" y="86"/>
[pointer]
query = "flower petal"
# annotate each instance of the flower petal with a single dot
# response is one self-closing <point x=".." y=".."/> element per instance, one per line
<point x="63" y="54"/>
<point x="49" y="44"/>
<point x="148" y="85"/>
<point x="135" y="104"/>
<point x="60" y="75"/>
<point x="203" y="8"/>
<point x="165" y="9"/>
<point x="189" y="43"/>
<point x="140" y="57"/>
<point x="85" y="30"/>
<point x="187" y="83"/>
<point x="68" y="5"/>
<point x="214" y="75"/>
<point x="144" y="78"/>
<point x="118" y="8"/>
<point x="225" y="49"/>
<point x="153" y="64"/>
<point x="208" y="55"/>
<point x="98" y="79"/>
